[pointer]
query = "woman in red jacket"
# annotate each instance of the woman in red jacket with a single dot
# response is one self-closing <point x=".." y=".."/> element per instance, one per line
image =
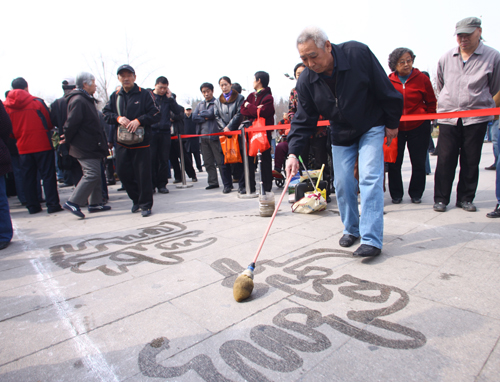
<point x="419" y="98"/>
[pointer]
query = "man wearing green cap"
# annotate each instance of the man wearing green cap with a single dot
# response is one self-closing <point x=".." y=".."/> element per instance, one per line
<point x="467" y="78"/>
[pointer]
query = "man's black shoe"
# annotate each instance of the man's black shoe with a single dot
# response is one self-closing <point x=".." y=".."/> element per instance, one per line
<point x="466" y="206"/>
<point x="495" y="213"/>
<point x="74" y="209"/>
<point x="34" y="210"/>
<point x="366" y="250"/>
<point x="416" y="200"/>
<point x="121" y="189"/>
<point x="177" y="181"/>
<point x="347" y="240"/>
<point x="111" y="182"/>
<point x="4" y="244"/>
<point x="397" y="200"/>
<point x="242" y="191"/>
<point x="195" y="179"/>
<point x="439" y="207"/>
<point x="227" y="190"/>
<point x="65" y="185"/>
<point x="135" y="208"/>
<point x="163" y="190"/>
<point x="53" y="210"/>
<point x="98" y="208"/>
<point x="492" y="167"/>
<point x="146" y="213"/>
<point x="210" y="187"/>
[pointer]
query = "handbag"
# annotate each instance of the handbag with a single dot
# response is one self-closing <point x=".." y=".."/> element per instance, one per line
<point x="123" y="135"/>
<point x="230" y="148"/>
<point x="258" y="140"/>
<point x="391" y="152"/>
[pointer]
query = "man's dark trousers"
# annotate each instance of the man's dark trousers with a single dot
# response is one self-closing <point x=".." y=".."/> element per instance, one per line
<point x="45" y="163"/>
<point x="160" y="153"/>
<point x="134" y="170"/>
<point x="466" y="141"/>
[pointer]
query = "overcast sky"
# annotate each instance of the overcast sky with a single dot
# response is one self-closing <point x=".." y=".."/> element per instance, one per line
<point x="191" y="42"/>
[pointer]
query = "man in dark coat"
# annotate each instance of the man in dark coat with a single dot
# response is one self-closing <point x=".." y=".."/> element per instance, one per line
<point x="132" y="107"/>
<point x="6" y="231"/>
<point x="69" y="166"/>
<point x="161" y="138"/>
<point x="87" y="143"/>
<point x="346" y="84"/>
<point x="192" y="145"/>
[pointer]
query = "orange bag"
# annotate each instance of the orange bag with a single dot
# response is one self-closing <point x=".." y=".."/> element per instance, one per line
<point x="391" y="152"/>
<point x="230" y="148"/>
<point x="258" y="140"/>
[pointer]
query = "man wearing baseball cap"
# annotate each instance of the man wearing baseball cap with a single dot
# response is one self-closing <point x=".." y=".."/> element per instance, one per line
<point x="468" y="76"/>
<point x="133" y="107"/>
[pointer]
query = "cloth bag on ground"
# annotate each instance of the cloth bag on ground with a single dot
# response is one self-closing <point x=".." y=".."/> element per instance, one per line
<point x="123" y="135"/>
<point x="258" y="140"/>
<point x="310" y="203"/>
<point x="230" y="148"/>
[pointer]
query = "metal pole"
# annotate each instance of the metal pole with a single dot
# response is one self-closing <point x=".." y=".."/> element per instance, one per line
<point x="181" y="148"/>
<point x="248" y="195"/>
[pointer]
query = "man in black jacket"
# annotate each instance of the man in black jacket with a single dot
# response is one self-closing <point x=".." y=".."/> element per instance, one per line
<point x="346" y="84"/>
<point x="87" y="143"/>
<point x="133" y="107"/>
<point x="69" y="166"/>
<point x="161" y="138"/>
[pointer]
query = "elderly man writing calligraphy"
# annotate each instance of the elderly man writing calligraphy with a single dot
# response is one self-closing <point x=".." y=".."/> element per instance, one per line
<point x="346" y="84"/>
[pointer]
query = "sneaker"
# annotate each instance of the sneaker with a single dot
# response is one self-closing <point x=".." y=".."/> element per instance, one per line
<point x="467" y="206"/>
<point x="146" y="213"/>
<point x="439" y="207"/>
<point x="495" y="213"/>
<point x="74" y="209"/>
<point x="98" y="208"/>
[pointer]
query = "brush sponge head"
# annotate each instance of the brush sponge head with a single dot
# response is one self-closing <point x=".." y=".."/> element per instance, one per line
<point x="243" y="286"/>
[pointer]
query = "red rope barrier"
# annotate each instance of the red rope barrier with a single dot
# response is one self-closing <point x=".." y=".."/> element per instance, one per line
<point x="404" y="118"/>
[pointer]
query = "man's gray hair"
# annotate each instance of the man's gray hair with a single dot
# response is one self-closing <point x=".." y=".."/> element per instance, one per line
<point x="84" y="78"/>
<point x="316" y="34"/>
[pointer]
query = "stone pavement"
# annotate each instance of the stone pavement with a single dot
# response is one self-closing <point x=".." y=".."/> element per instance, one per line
<point x="118" y="297"/>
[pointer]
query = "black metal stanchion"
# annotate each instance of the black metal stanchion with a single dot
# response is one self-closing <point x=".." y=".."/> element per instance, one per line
<point x="181" y="149"/>
<point x="248" y="195"/>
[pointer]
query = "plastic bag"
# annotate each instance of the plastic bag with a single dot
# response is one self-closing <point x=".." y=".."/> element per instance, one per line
<point x="310" y="203"/>
<point x="230" y="148"/>
<point x="391" y="152"/>
<point x="258" y="140"/>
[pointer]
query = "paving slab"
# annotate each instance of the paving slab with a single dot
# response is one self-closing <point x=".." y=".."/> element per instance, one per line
<point x="118" y="297"/>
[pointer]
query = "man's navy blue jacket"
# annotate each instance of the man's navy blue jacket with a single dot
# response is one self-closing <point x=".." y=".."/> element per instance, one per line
<point x="364" y="98"/>
<point x="166" y="105"/>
